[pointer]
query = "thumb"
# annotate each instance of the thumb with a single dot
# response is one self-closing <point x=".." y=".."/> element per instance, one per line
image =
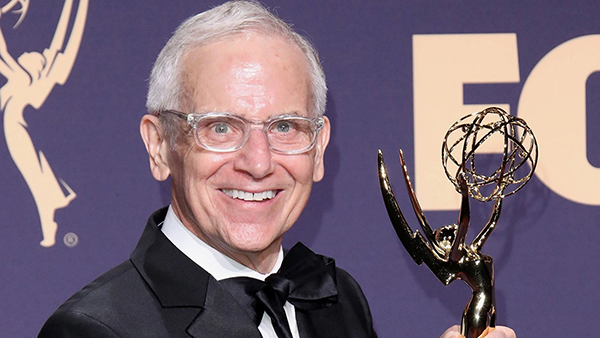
<point x="453" y="332"/>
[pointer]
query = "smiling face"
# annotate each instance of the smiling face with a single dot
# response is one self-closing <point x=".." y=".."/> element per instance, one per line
<point x="242" y="202"/>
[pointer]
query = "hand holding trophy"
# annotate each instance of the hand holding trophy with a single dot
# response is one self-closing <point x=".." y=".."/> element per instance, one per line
<point x="445" y="251"/>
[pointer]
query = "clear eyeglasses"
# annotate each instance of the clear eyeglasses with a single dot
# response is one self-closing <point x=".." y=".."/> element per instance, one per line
<point x="225" y="132"/>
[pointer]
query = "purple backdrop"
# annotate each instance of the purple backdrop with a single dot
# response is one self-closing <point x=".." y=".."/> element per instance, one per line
<point x="545" y="245"/>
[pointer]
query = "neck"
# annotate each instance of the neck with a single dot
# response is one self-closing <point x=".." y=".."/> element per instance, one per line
<point x="261" y="260"/>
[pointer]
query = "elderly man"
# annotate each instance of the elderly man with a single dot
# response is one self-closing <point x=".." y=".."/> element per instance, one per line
<point x="236" y="103"/>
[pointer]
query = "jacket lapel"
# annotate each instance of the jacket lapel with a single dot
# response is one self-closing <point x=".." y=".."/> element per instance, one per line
<point x="172" y="276"/>
<point x="222" y="316"/>
<point x="190" y="297"/>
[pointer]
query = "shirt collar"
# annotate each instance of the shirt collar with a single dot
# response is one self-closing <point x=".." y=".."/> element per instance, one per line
<point x="207" y="257"/>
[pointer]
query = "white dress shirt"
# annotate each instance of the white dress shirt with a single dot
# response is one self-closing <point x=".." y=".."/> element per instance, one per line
<point x="222" y="267"/>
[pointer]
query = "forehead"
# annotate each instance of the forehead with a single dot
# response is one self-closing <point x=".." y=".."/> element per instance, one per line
<point x="250" y="71"/>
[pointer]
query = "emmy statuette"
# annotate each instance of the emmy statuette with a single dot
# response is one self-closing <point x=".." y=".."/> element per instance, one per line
<point x="444" y="250"/>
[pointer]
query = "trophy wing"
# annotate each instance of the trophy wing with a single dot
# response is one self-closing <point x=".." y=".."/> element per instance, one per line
<point x="478" y="242"/>
<point x="417" y="207"/>
<point x="416" y="245"/>
<point x="60" y="57"/>
<point x="464" y="218"/>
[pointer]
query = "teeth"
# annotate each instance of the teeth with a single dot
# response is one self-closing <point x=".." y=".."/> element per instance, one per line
<point x="248" y="196"/>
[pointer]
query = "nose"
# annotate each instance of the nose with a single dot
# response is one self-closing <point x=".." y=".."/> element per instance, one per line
<point x="255" y="156"/>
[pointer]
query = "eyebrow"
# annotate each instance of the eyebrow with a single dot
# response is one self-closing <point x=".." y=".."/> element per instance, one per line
<point x="270" y="117"/>
<point x="295" y="114"/>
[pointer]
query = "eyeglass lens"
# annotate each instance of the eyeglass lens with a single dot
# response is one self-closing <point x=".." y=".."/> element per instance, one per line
<point x="229" y="132"/>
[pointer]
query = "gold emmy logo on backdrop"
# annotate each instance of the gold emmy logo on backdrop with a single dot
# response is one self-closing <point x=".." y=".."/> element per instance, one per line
<point x="29" y="80"/>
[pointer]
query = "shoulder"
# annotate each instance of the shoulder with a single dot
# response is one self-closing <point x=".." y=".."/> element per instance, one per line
<point x="72" y="324"/>
<point x="354" y="304"/>
<point x="350" y="295"/>
<point x="109" y="287"/>
<point x="92" y="311"/>
<point x="347" y="282"/>
<point x="348" y="287"/>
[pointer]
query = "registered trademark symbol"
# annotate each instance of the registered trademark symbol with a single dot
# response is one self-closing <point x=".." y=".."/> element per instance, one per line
<point x="71" y="240"/>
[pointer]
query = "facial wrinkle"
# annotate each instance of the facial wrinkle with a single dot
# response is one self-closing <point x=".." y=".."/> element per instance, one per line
<point x="249" y="86"/>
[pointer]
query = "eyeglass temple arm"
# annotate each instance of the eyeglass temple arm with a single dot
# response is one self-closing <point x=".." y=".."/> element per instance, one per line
<point x="186" y="117"/>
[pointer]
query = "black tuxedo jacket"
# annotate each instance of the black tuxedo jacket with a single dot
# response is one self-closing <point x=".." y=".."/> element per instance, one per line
<point x="160" y="292"/>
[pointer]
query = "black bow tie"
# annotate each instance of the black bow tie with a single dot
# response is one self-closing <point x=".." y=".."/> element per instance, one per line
<point x="304" y="279"/>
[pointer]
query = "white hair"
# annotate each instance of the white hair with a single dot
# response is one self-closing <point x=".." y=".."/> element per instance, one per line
<point x="167" y="89"/>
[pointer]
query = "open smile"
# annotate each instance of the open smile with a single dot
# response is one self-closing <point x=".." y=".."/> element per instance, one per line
<point x="250" y="196"/>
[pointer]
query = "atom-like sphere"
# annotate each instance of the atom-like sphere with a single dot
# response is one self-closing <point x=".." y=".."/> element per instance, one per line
<point x="509" y="145"/>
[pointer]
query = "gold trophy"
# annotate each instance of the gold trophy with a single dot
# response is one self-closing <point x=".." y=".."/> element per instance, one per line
<point x="444" y="250"/>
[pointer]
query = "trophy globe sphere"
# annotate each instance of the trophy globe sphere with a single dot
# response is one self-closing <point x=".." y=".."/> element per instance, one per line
<point x="494" y="152"/>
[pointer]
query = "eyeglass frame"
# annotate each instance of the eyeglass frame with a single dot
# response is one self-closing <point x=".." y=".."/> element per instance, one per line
<point x="193" y="119"/>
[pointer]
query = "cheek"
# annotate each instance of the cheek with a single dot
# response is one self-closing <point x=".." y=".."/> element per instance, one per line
<point x="302" y="169"/>
<point x="195" y="173"/>
<point x="196" y="195"/>
<point x="199" y="166"/>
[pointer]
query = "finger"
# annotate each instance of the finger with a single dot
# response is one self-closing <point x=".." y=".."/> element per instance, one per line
<point x="502" y="332"/>
<point x="452" y="332"/>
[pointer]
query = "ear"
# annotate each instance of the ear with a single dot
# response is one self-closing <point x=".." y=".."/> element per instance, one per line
<point x="157" y="146"/>
<point x="322" y="142"/>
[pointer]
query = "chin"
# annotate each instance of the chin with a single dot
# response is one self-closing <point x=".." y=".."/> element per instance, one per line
<point x="255" y="244"/>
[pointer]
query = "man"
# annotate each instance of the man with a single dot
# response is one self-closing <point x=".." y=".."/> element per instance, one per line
<point x="236" y="104"/>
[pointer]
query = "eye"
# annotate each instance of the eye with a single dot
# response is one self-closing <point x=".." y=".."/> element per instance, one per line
<point x="283" y="126"/>
<point x="221" y="128"/>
